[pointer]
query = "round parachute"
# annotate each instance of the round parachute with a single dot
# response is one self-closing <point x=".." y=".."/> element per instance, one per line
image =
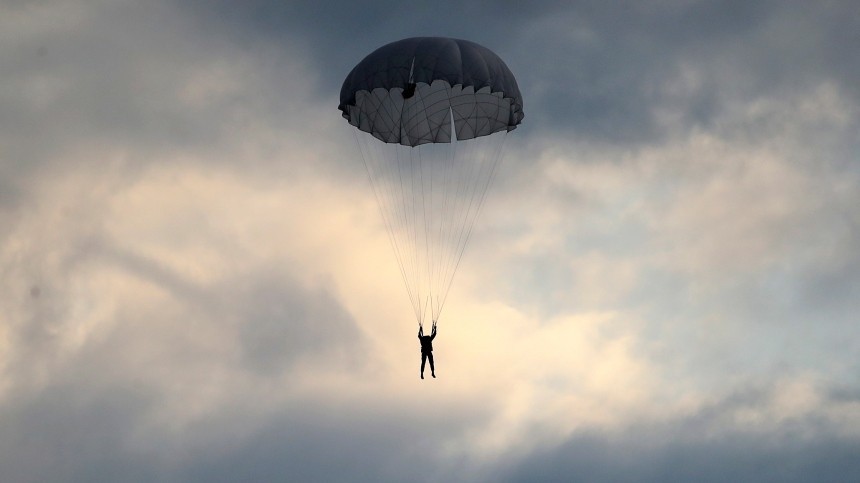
<point x="431" y="117"/>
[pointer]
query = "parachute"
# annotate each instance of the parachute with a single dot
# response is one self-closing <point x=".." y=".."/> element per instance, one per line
<point x="431" y="116"/>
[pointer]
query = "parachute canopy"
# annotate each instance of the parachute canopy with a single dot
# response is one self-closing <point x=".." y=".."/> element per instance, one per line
<point x="432" y="115"/>
<point x="408" y="92"/>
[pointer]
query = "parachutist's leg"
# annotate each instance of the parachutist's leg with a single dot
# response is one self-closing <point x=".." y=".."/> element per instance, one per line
<point x="432" y="369"/>
<point x="424" y="360"/>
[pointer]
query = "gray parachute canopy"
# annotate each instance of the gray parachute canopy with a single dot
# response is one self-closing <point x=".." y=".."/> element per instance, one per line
<point x="412" y="91"/>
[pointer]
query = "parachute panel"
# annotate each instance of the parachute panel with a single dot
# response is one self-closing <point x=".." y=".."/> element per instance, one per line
<point x="444" y="73"/>
<point x="424" y="117"/>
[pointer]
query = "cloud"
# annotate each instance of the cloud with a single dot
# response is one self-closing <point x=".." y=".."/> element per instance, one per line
<point x="196" y="283"/>
<point x="783" y="431"/>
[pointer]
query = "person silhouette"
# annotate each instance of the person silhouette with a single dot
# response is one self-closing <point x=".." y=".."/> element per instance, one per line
<point x="427" y="348"/>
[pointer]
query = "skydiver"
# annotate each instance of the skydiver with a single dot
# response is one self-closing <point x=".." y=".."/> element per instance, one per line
<point x="427" y="348"/>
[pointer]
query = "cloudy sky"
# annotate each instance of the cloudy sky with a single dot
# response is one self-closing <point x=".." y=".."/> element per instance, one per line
<point x="196" y="285"/>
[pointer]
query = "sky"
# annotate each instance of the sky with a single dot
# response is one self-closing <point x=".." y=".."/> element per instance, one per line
<point x="196" y="285"/>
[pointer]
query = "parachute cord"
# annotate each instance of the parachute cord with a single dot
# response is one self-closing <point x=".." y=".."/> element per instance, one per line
<point x="410" y="223"/>
<point x="426" y="250"/>
<point x="424" y="314"/>
<point x="495" y="161"/>
<point x="429" y="230"/>
<point x="389" y="228"/>
<point x="424" y="275"/>
<point x="398" y="215"/>
<point x="447" y="211"/>
<point x="433" y="251"/>
<point x="416" y="225"/>
<point x="461" y="210"/>
<point x="410" y="238"/>
<point x="453" y="195"/>
<point x="398" y="202"/>
<point x="403" y="218"/>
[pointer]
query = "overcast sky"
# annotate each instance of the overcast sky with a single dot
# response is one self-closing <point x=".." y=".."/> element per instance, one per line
<point x="196" y="285"/>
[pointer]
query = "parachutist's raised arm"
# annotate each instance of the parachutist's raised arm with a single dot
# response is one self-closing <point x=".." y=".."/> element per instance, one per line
<point x="420" y="330"/>
<point x="433" y="334"/>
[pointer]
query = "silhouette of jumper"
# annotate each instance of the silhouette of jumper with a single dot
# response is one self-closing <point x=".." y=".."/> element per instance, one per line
<point x="427" y="348"/>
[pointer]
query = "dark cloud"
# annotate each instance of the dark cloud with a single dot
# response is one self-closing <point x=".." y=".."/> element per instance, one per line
<point x="706" y="446"/>
<point x="84" y="433"/>
<point x="280" y="323"/>
<point x="631" y="62"/>
<point x="80" y="432"/>
<point x="86" y="415"/>
<point x="732" y="457"/>
<point x="595" y="70"/>
<point x="74" y="432"/>
<point x="129" y="85"/>
<point x="337" y="35"/>
<point x="105" y="80"/>
<point x="332" y="445"/>
<point x="274" y="321"/>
